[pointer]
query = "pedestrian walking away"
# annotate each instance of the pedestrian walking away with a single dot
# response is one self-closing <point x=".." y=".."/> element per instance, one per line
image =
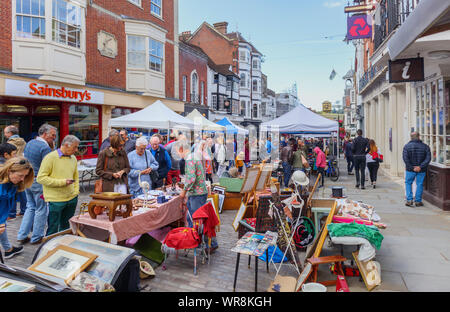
<point x="58" y="175"/>
<point x="373" y="159"/>
<point x="16" y="175"/>
<point x="36" y="214"/>
<point x="417" y="157"/>
<point x="348" y="155"/>
<point x="360" y="147"/>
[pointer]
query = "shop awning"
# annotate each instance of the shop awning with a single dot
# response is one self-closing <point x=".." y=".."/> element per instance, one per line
<point x="425" y="15"/>
<point x="155" y="116"/>
<point x="202" y="123"/>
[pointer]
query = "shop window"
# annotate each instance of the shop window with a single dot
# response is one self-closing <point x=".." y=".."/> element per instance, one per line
<point x="47" y="109"/>
<point x="30" y="18"/>
<point x="66" y="23"/>
<point x="10" y="108"/>
<point x="85" y="126"/>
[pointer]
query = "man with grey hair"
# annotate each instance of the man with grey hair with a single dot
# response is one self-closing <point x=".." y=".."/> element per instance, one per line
<point x="417" y="157"/>
<point x="35" y="217"/>
<point x="163" y="159"/>
<point x="58" y="175"/>
<point x="107" y="142"/>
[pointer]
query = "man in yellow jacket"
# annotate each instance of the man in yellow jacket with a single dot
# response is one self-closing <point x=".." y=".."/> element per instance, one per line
<point x="58" y="175"/>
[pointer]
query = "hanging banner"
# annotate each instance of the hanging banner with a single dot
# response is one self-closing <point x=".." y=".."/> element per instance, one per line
<point x="407" y="70"/>
<point x="358" y="27"/>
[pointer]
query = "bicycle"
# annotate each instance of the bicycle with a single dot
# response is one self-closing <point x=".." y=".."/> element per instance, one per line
<point x="333" y="170"/>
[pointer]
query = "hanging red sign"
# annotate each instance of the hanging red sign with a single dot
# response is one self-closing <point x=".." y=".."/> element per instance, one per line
<point x="358" y="27"/>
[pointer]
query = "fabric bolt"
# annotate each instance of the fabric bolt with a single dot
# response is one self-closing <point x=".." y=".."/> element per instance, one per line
<point x="59" y="215"/>
<point x="366" y="251"/>
<point x="371" y="233"/>
<point x="54" y="172"/>
<point x="409" y="180"/>
<point x="35" y="217"/>
<point x="138" y="164"/>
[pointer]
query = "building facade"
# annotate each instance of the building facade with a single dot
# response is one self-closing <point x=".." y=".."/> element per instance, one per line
<point x="77" y="63"/>
<point x="405" y="30"/>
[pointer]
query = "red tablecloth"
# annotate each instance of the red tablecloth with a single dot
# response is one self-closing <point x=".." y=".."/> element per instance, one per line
<point x="138" y="224"/>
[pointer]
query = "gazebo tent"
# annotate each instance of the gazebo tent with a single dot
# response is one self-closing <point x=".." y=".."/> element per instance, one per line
<point x="231" y="127"/>
<point x="302" y="120"/>
<point x="201" y="122"/>
<point x="155" y="116"/>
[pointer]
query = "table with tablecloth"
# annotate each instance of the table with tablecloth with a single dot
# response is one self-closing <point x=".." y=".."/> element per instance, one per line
<point x="141" y="222"/>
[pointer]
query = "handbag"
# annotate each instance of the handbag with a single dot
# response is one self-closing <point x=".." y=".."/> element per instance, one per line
<point x="305" y="162"/>
<point x="154" y="176"/>
<point x="98" y="187"/>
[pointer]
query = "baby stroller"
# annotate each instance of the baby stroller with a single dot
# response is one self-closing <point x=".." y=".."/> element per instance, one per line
<point x="198" y="238"/>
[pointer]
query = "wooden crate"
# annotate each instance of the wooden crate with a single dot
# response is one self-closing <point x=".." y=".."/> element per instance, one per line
<point x="232" y="201"/>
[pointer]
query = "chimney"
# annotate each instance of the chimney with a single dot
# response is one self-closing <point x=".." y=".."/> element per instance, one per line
<point x="221" y="27"/>
<point x="185" y="35"/>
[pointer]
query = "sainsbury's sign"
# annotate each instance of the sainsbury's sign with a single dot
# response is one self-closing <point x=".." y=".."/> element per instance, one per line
<point x="49" y="92"/>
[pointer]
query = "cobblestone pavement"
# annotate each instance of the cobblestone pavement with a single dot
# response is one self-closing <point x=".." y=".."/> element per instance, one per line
<point x="414" y="256"/>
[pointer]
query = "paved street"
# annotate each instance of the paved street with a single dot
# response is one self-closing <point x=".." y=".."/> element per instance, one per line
<point x="414" y="256"/>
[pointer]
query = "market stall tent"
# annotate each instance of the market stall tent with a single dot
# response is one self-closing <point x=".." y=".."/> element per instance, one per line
<point x="301" y="120"/>
<point x="155" y="116"/>
<point x="201" y="122"/>
<point x="231" y="127"/>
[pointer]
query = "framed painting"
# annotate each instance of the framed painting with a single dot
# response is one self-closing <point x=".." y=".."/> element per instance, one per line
<point x="264" y="177"/>
<point x="251" y="178"/>
<point x="219" y="189"/>
<point x="239" y="215"/>
<point x="63" y="262"/>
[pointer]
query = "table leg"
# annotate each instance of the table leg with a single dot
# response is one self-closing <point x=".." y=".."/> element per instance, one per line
<point x="236" y="271"/>
<point x="256" y="274"/>
<point x="249" y="260"/>
<point x="267" y="260"/>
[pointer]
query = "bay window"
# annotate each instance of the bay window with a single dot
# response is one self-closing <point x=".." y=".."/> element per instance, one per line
<point x="66" y="23"/>
<point x="30" y="18"/>
<point x="136" y="52"/>
<point x="156" y="55"/>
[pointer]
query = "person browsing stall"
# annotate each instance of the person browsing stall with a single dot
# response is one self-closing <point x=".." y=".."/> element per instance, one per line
<point x="113" y="167"/>
<point x="141" y="162"/>
<point x="58" y="175"/>
<point x="16" y="175"/>
<point x="163" y="159"/>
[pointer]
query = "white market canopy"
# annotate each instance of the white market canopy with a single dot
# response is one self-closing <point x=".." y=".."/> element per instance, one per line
<point x="155" y="116"/>
<point x="201" y="122"/>
<point x="301" y="120"/>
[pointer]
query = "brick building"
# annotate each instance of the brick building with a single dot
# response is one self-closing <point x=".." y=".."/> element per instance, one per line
<point x="77" y="63"/>
<point x="193" y="73"/>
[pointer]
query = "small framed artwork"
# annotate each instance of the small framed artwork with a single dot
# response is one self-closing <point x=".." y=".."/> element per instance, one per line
<point x="240" y="214"/>
<point x="63" y="262"/>
<point x="221" y="201"/>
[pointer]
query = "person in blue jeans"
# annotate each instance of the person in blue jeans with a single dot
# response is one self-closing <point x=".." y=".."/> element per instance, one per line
<point x="36" y="214"/>
<point x="417" y="157"/>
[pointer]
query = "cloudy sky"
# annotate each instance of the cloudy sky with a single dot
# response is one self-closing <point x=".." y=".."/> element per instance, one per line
<point x="302" y="40"/>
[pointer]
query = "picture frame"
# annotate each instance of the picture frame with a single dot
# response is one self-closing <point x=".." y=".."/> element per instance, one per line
<point x="266" y="173"/>
<point x="250" y="180"/>
<point x="213" y="203"/>
<point x="219" y="189"/>
<point x="239" y="215"/>
<point x="63" y="262"/>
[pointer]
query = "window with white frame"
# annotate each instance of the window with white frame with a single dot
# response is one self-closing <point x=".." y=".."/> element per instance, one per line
<point x="202" y="93"/>
<point x="243" y="108"/>
<point x="255" y="85"/>
<point x="156" y="7"/>
<point x="242" y="55"/>
<point x="255" y="64"/>
<point x="156" y="55"/>
<point x="136" y="52"/>
<point x="66" y="23"/>
<point x="30" y="18"/>
<point x="194" y="87"/>
<point x="433" y="118"/>
<point x="184" y="88"/>
<point x="243" y="80"/>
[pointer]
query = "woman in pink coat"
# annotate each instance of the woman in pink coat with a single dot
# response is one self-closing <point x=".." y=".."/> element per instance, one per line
<point x="321" y="162"/>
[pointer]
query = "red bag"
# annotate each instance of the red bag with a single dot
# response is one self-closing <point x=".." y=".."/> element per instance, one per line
<point x="341" y="284"/>
<point x="182" y="238"/>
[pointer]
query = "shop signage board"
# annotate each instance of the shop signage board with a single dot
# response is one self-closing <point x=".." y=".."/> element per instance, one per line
<point x="359" y="8"/>
<point x="358" y="27"/>
<point x="37" y="90"/>
<point x="407" y="70"/>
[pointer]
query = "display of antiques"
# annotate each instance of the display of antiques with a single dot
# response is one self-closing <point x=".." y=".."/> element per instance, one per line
<point x="112" y="202"/>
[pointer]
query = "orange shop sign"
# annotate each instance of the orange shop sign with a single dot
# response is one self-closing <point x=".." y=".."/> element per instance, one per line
<point x="49" y="92"/>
